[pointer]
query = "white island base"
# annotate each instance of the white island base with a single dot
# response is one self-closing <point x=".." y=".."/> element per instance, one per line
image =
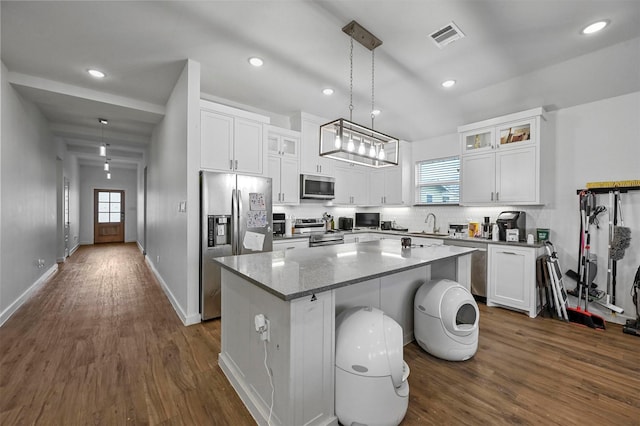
<point x="301" y="346"/>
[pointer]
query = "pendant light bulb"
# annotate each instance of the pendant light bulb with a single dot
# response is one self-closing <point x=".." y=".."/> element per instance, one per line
<point x="106" y="166"/>
<point x="103" y="150"/>
<point x="372" y="151"/>
<point x="350" y="145"/>
<point x="361" y="149"/>
<point x="338" y="141"/>
<point x="381" y="153"/>
<point x="108" y="175"/>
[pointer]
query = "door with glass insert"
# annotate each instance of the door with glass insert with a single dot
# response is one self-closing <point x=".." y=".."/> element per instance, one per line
<point x="108" y="216"/>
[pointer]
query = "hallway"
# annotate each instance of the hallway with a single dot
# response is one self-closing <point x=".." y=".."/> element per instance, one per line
<point x="100" y="344"/>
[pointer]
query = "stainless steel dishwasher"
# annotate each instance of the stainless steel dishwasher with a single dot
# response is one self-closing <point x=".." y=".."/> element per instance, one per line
<point x="478" y="264"/>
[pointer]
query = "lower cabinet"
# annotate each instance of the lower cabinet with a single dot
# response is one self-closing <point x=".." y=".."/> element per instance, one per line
<point x="511" y="278"/>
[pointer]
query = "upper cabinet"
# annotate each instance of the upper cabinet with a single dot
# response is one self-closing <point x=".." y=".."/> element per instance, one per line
<point x="231" y="140"/>
<point x="352" y="187"/>
<point x="502" y="160"/>
<point x="283" y="148"/>
<point x="310" y="160"/>
<point x="385" y="186"/>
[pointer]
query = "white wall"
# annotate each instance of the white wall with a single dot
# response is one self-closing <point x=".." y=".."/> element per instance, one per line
<point x="92" y="177"/>
<point x="170" y="243"/>
<point x="28" y="210"/>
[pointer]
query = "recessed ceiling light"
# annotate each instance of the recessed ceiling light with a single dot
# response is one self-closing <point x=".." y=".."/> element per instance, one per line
<point x="256" y="62"/>
<point x="448" y="83"/>
<point x="327" y="91"/>
<point x="375" y="112"/>
<point x="96" y="73"/>
<point x="595" y="27"/>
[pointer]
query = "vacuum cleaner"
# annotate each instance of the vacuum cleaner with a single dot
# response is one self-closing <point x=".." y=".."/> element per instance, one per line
<point x="633" y="326"/>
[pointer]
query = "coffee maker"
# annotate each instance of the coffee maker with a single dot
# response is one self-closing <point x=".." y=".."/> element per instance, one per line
<point x="512" y="220"/>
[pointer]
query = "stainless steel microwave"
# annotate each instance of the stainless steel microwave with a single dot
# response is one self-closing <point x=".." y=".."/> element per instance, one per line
<point x="317" y="187"/>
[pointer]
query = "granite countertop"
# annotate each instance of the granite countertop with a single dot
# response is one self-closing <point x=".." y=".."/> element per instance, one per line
<point x="292" y="274"/>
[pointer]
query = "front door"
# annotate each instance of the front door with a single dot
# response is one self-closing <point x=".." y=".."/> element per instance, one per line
<point x="108" y="223"/>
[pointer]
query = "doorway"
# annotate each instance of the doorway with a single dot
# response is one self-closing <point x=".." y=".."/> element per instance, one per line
<point x="108" y="221"/>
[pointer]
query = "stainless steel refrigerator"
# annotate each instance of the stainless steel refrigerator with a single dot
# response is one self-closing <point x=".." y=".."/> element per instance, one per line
<point x="235" y="218"/>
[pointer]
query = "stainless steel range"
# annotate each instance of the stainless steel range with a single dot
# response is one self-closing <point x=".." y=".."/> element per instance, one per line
<point x="317" y="239"/>
<point x="303" y="226"/>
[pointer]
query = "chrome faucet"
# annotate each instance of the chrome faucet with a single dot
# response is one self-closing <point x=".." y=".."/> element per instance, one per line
<point x="426" y="220"/>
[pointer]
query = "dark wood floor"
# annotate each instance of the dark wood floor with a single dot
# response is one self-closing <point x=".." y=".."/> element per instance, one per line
<point x="100" y="344"/>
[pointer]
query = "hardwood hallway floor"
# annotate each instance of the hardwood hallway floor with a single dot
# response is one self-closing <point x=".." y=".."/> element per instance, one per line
<point x="99" y="344"/>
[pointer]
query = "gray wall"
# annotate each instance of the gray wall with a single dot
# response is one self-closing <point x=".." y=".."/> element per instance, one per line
<point x="28" y="210"/>
<point x="170" y="238"/>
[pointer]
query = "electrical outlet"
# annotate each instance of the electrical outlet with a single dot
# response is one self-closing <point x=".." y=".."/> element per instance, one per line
<point x="266" y="334"/>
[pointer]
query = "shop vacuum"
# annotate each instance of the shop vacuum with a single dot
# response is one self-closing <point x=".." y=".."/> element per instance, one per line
<point x="633" y="326"/>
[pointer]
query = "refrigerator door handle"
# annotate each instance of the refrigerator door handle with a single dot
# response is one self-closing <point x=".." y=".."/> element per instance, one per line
<point x="238" y="216"/>
<point x="234" y="221"/>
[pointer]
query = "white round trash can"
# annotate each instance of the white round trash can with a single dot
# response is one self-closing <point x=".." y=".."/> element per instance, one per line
<point x="371" y="376"/>
<point x="446" y="320"/>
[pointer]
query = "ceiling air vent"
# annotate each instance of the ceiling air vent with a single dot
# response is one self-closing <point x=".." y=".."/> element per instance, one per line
<point x="446" y="35"/>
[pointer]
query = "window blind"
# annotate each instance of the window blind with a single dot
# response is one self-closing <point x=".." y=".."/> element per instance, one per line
<point x="438" y="181"/>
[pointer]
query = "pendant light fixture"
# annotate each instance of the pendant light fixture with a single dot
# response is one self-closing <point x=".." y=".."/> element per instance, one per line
<point x="338" y="138"/>
<point x="103" y="147"/>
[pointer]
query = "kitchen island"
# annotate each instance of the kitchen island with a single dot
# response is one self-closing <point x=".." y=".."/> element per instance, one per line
<point x="300" y="292"/>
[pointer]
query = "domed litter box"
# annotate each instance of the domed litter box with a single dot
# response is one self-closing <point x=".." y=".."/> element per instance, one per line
<point x="446" y="320"/>
<point x="371" y="375"/>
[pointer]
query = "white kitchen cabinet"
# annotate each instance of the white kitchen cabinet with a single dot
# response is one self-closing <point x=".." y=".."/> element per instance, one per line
<point x="352" y="186"/>
<point x="511" y="278"/>
<point x="502" y="160"/>
<point x="231" y="139"/>
<point x="290" y="243"/>
<point x="283" y="165"/>
<point x="385" y="186"/>
<point x="508" y="176"/>
<point x="310" y="160"/>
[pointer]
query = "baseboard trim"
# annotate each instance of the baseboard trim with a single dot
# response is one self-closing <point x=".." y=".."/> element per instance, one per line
<point x="73" y="250"/>
<point x="11" y="309"/>
<point x="186" y="320"/>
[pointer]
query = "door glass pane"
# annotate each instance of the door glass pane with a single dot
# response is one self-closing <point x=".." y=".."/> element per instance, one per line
<point x="289" y="146"/>
<point x="114" y="217"/>
<point x="103" y="196"/>
<point x="115" y="207"/>
<point x="115" y="197"/>
<point x="103" y="217"/>
<point x="103" y="207"/>
<point x="273" y="144"/>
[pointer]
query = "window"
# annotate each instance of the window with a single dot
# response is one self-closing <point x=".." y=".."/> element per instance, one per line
<point x="438" y="181"/>
<point x="108" y="207"/>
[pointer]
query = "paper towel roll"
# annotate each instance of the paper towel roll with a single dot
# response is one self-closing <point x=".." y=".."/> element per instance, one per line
<point x="288" y="227"/>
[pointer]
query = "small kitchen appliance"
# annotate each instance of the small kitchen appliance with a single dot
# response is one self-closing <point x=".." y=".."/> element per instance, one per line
<point x="304" y="226"/>
<point x="458" y="230"/>
<point x="386" y="225"/>
<point x="512" y="220"/>
<point x="279" y="220"/>
<point x="371" y="375"/>
<point x="345" y="223"/>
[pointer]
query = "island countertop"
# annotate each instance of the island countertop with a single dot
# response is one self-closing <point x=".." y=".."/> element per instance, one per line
<point x="292" y="274"/>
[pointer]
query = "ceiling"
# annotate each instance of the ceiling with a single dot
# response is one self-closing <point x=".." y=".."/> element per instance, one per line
<point x="517" y="54"/>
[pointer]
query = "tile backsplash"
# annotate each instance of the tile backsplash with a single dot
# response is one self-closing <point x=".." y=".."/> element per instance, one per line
<point x="413" y="217"/>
